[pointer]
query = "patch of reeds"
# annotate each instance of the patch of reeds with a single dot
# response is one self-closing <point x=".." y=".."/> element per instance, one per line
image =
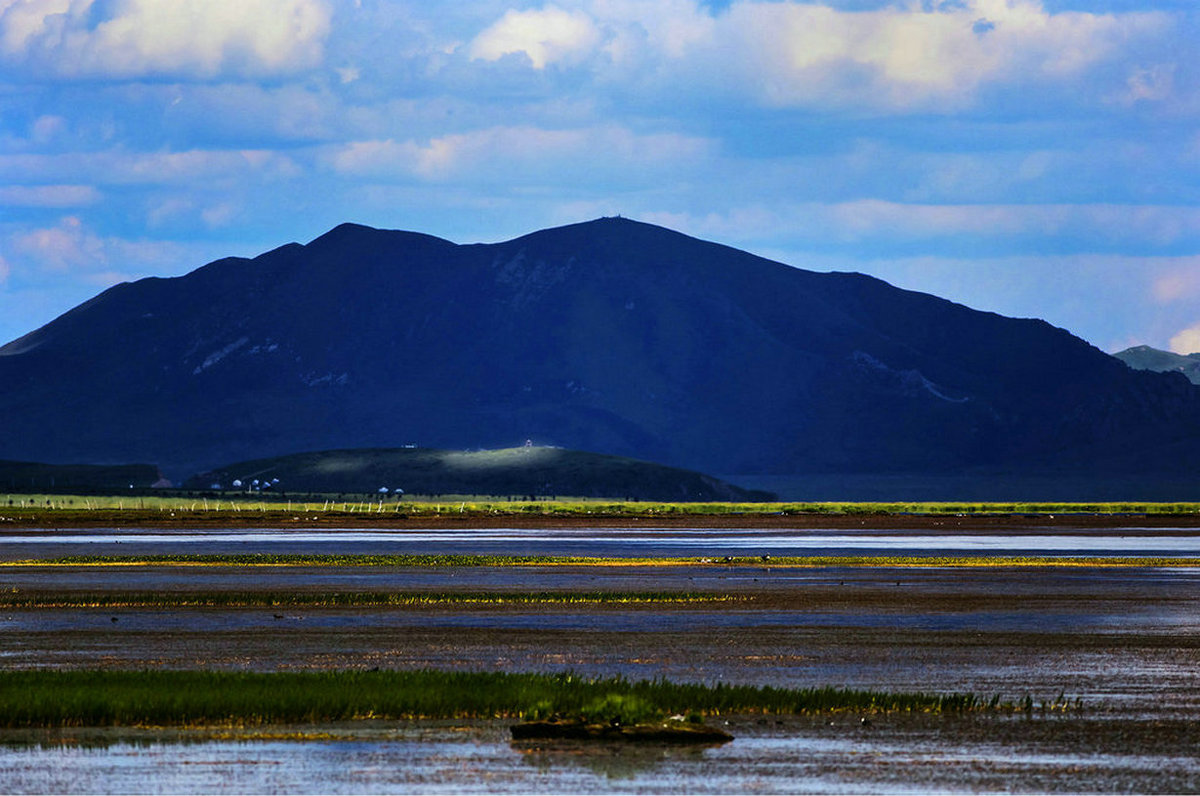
<point x="15" y="599"/>
<point x="128" y="698"/>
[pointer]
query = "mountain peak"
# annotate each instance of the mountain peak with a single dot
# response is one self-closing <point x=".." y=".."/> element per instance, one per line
<point x="1144" y="357"/>
<point x="610" y="228"/>
<point x="356" y="236"/>
<point x="611" y="335"/>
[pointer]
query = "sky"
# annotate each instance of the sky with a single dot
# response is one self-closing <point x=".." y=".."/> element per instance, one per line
<point x="1036" y="158"/>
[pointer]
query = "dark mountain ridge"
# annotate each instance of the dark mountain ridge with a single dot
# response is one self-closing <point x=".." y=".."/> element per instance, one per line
<point x="611" y="336"/>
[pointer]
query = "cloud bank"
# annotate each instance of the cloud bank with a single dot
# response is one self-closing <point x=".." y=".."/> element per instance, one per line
<point x="149" y="38"/>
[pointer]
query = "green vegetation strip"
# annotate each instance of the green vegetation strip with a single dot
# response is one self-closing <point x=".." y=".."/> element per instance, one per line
<point x="130" y="698"/>
<point x="300" y="507"/>
<point x="301" y="560"/>
<point x="15" y="599"/>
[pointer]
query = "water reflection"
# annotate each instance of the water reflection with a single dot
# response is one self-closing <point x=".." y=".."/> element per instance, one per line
<point x="614" y="760"/>
<point x="600" y="542"/>
<point x="897" y="754"/>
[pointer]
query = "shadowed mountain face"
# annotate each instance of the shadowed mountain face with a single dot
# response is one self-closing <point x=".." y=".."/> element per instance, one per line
<point x="610" y="336"/>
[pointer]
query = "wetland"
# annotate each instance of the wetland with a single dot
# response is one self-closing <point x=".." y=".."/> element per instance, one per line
<point x="1096" y="631"/>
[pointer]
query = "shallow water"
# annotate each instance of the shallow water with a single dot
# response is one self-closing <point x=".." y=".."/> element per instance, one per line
<point x="902" y="754"/>
<point x="1125" y="641"/>
<point x="641" y="541"/>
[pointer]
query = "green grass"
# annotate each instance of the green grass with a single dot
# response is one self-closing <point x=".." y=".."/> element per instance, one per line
<point x="15" y="599"/>
<point x="324" y="506"/>
<point x="454" y="560"/>
<point x="132" y="698"/>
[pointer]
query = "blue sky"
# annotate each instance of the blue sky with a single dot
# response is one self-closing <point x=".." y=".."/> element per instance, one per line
<point x="1034" y="158"/>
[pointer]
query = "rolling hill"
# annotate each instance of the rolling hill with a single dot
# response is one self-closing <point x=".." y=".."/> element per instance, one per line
<point x="517" y="472"/>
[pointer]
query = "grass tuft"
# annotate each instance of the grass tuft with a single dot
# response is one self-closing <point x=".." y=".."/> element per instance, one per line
<point x="129" y="698"/>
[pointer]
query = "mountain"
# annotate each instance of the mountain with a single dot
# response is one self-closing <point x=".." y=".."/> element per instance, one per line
<point x="1143" y="357"/>
<point x="25" y="477"/>
<point x="611" y="336"/>
<point x="523" y="472"/>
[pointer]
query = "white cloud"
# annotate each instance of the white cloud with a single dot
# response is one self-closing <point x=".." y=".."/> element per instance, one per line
<point x="132" y="168"/>
<point x="520" y="152"/>
<point x="909" y="58"/>
<point x="898" y="222"/>
<point x="5" y="270"/>
<point x="901" y="57"/>
<point x="71" y="247"/>
<point x="185" y="210"/>
<point x="1152" y="84"/>
<point x="168" y="210"/>
<point x="220" y="214"/>
<point x="1177" y="284"/>
<point x="63" y="247"/>
<point x="546" y="36"/>
<point x="140" y="38"/>
<point x="1187" y="341"/>
<point x="48" y="195"/>
<point x="46" y="128"/>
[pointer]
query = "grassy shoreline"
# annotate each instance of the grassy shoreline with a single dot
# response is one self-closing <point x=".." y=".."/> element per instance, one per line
<point x="137" y="698"/>
<point x="20" y="510"/>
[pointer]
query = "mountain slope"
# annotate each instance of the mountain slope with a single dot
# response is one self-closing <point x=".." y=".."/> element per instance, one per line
<point x="611" y="336"/>
<point x="1143" y="357"/>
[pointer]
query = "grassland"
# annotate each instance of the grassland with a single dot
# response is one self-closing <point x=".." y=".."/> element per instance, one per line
<point x="135" y="698"/>
<point x="14" y="599"/>
<point x="247" y="511"/>
<point x="462" y="561"/>
<point x="64" y="506"/>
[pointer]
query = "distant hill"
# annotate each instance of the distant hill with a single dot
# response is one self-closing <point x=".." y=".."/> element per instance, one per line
<point x="611" y="336"/>
<point x="523" y="472"/>
<point x="1143" y="357"/>
<point x="27" y="477"/>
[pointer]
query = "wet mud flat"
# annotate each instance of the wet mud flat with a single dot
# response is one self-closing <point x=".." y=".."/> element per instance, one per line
<point x="1123" y="641"/>
<point x="1112" y="637"/>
